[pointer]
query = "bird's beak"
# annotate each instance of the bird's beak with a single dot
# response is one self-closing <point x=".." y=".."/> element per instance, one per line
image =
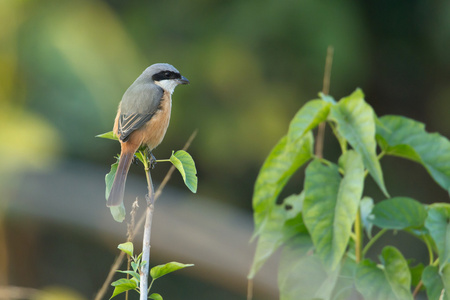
<point x="183" y="80"/>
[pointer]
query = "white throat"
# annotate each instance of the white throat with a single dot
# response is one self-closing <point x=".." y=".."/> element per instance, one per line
<point x="167" y="85"/>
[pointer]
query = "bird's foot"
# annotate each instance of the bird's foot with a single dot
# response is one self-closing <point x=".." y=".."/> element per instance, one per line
<point x="152" y="160"/>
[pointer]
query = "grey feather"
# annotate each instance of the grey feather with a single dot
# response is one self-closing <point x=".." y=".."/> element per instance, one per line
<point x="139" y="103"/>
<point x="129" y="123"/>
<point x="141" y="100"/>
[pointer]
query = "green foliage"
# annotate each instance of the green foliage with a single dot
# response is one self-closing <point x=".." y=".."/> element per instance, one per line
<point x="161" y="270"/>
<point x="186" y="166"/>
<point x="123" y="284"/>
<point x="438" y="224"/>
<point x="118" y="212"/>
<point x="319" y="229"/>
<point x="329" y="212"/>
<point x="355" y="121"/>
<point x="436" y="282"/>
<point x="108" y="135"/>
<point x="399" y="213"/>
<point x="127" y="247"/>
<point x="390" y="280"/>
<point x="400" y="136"/>
<point x="155" y="296"/>
<point x="181" y="160"/>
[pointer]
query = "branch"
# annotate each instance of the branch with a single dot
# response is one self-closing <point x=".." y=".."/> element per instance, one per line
<point x="325" y="91"/>
<point x="138" y="226"/>
<point x="147" y="233"/>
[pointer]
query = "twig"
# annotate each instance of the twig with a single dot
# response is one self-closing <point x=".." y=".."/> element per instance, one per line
<point x="130" y="230"/>
<point x="325" y="91"/>
<point x="358" y="233"/>
<point x="417" y="289"/>
<point x="138" y="226"/>
<point x="250" y="289"/>
<point x="143" y="286"/>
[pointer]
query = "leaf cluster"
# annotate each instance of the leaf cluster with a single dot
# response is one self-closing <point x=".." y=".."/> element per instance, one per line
<point x="323" y="229"/>
<point x="180" y="159"/>
<point x="124" y="284"/>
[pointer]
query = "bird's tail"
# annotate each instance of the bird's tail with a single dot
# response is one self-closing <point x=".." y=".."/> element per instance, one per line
<point x="118" y="188"/>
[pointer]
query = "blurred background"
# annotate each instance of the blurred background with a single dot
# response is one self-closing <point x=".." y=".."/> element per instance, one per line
<point x="64" y="66"/>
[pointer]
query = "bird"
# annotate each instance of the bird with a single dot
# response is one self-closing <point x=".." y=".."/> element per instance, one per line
<point x="142" y="119"/>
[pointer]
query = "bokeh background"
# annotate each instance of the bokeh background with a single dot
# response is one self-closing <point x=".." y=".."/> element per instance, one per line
<point x="64" y="66"/>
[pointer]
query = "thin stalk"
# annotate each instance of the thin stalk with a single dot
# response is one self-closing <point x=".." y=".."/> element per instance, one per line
<point x="325" y="91"/>
<point x="162" y="160"/>
<point x="143" y="286"/>
<point x="358" y="233"/>
<point x="419" y="285"/>
<point x="372" y="241"/>
<point x="430" y="249"/>
<point x="417" y="289"/>
<point x="101" y="293"/>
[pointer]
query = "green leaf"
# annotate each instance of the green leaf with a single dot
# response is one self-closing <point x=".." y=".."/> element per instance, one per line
<point x="123" y="285"/>
<point x="330" y="209"/>
<point x="438" y="224"/>
<point x="186" y="166"/>
<point x="366" y="207"/>
<point x="162" y="270"/>
<point x="407" y="138"/>
<point x="141" y="156"/>
<point x="355" y="121"/>
<point x="127" y="248"/>
<point x="108" y="135"/>
<point x="327" y="98"/>
<point x="307" y="118"/>
<point x="118" y="212"/>
<point x="134" y="265"/>
<point x="392" y="281"/>
<point x="345" y="286"/>
<point x="279" y="166"/>
<point x="109" y="178"/>
<point x="301" y="275"/>
<point x="399" y="213"/>
<point x="435" y="282"/>
<point x="284" y="222"/>
<point x="155" y="296"/>
<point x="132" y="273"/>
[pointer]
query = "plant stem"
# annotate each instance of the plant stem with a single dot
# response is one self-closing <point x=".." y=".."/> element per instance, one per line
<point x="325" y="91"/>
<point x="419" y="285"/>
<point x="372" y="241"/>
<point x="120" y="258"/>
<point x="358" y="233"/>
<point x="417" y="289"/>
<point x="430" y="249"/>
<point x="147" y="233"/>
<point x="162" y="160"/>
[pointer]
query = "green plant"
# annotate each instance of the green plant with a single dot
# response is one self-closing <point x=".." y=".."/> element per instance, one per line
<point x="125" y="284"/>
<point x="139" y="281"/>
<point x="326" y="229"/>
<point x="180" y="159"/>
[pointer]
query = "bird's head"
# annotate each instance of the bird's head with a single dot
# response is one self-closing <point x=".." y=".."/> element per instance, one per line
<point x="165" y="76"/>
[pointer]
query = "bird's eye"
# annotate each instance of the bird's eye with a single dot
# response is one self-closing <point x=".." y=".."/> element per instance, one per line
<point x="167" y="74"/>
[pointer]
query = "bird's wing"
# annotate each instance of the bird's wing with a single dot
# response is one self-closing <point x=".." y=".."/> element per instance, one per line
<point x="131" y="122"/>
<point x="139" y="103"/>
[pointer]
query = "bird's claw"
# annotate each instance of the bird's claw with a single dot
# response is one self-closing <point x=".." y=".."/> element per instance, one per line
<point x="152" y="160"/>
